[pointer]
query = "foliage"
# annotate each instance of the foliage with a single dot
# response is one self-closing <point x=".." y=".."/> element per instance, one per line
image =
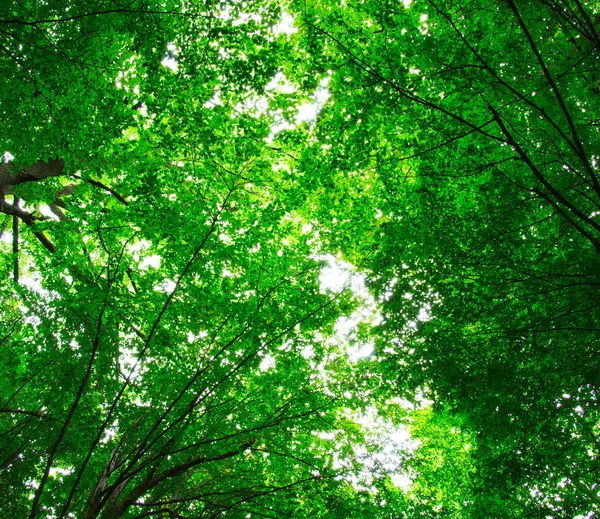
<point x="167" y="344"/>
<point x="164" y="334"/>
<point x="476" y="125"/>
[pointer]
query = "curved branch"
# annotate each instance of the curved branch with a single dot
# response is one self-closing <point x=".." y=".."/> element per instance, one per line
<point x="96" y="183"/>
<point x="29" y="219"/>
<point x="559" y="98"/>
<point x="67" y="422"/>
<point x="118" y="508"/>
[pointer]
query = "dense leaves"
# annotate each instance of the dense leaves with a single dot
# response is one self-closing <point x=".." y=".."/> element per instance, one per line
<point x="479" y="123"/>
<point x="168" y="345"/>
<point x="163" y="332"/>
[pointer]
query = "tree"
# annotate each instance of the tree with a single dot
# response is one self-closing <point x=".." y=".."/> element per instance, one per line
<point x="167" y="346"/>
<point x="476" y="127"/>
<point x="164" y="335"/>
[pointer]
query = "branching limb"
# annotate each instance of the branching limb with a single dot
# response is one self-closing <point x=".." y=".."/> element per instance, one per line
<point x="558" y="196"/>
<point x="29" y="219"/>
<point x="39" y="171"/>
<point x="54" y="449"/>
<point x="116" y="509"/>
<point x="559" y="98"/>
<point x="142" y="353"/>
<point x="486" y="66"/>
<point x="581" y="231"/>
<point x="591" y="29"/>
<point x="403" y="92"/>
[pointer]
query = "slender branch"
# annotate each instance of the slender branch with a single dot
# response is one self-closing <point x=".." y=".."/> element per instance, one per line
<point x="145" y="446"/>
<point x="75" y="65"/>
<point x="22" y="411"/>
<point x="29" y="219"/>
<point x="74" y="406"/>
<point x="271" y="490"/>
<point x="559" y="98"/>
<point x="577" y="227"/>
<point x="493" y="73"/>
<point x="8" y="335"/>
<point x="368" y="68"/>
<point x="589" y="23"/>
<point x="110" y="190"/>
<point x="235" y="369"/>
<point x="142" y="353"/>
<point x="538" y="174"/>
<point x="284" y="152"/>
<point x="35" y="374"/>
<point x="15" y="238"/>
<point x="571" y="21"/>
<point x="285" y="455"/>
<point x="443" y="144"/>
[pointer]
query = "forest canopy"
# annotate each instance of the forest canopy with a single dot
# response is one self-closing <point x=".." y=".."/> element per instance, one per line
<point x="299" y="259"/>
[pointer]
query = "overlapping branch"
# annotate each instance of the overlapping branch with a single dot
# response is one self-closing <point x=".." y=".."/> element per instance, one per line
<point x="40" y="171"/>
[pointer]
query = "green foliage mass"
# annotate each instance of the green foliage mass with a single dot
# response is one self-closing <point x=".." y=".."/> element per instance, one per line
<point x="478" y="124"/>
<point x="167" y="345"/>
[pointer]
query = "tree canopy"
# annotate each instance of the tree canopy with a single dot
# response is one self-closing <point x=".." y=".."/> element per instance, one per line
<point x="169" y="344"/>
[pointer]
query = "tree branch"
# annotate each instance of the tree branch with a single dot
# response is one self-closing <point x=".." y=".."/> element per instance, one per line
<point x="15" y="238"/>
<point x="106" y="188"/>
<point x="142" y="353"/>
<point x="22" y="411"/>
<point x="589" y="23"/>
<point x="39" y="171"/>
<point x="553" y="191"/>
<point x="403" y="92"/>
<point x="29" y="219"/>
<point x="493" y="73"/>
<point x="579" y="146"/>
<point x="67" y="422"/>
<point x="117" y="509"/>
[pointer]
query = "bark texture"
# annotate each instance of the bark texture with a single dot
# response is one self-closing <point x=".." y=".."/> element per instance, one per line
<point x="38" y="171"/>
